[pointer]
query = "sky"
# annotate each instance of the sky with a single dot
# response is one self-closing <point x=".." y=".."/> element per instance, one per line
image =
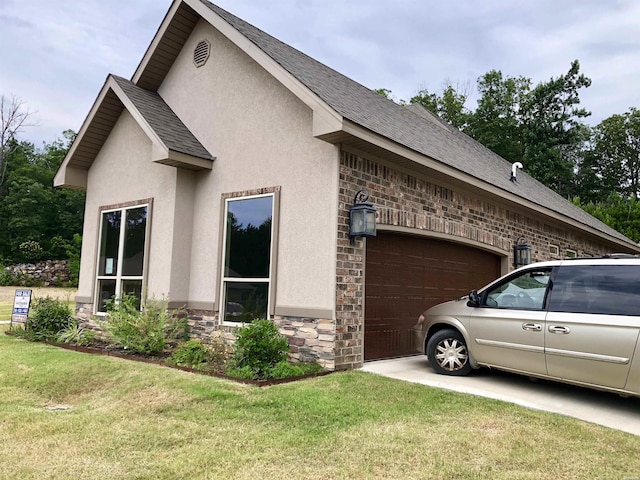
<point x="55" y="55"/>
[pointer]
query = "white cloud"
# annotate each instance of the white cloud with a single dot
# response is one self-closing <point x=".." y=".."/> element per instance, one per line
<point x="56" y="55"/>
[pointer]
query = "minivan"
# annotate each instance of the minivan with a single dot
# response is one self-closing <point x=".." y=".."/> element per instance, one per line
<point x="575" y="321"/>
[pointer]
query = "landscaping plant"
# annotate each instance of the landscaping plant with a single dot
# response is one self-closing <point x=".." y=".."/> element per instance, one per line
<point x="146" y="330"/>
<point x="47" y="318"/>
<point x="259" y="347"/>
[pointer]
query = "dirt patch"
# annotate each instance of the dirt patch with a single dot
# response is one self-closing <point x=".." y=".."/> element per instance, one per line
<point x="7" y="294"/>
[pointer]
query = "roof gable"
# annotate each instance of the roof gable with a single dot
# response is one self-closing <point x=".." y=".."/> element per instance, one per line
<point x="172" y="142"/>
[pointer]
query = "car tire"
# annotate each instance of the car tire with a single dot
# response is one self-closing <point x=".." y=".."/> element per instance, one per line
<point x="447" y="353"/>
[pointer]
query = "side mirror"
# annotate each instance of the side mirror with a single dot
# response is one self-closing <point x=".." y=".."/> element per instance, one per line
<point x="474" y="299"/>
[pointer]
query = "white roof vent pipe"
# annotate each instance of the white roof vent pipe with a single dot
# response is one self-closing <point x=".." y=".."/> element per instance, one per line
<point x="514" y="168"/>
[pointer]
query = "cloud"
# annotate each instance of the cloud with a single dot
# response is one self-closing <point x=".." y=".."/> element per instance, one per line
<point x="56" y="55"/>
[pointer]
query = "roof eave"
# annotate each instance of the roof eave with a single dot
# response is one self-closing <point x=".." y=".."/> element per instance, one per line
<point x="382" y="144"/>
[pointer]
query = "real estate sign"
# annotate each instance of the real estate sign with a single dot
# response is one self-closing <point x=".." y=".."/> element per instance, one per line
<point x="21" y="303"/>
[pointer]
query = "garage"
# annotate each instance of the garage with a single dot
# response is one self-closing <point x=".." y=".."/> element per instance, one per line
<point x="405" y="275"/>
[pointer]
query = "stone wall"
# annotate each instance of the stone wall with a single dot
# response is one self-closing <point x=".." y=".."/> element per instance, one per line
<point x="47" y="273"/>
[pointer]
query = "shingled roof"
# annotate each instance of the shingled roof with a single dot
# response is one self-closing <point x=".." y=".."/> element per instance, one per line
<point x="164" y="122"/>
<point x="409" y="127"/>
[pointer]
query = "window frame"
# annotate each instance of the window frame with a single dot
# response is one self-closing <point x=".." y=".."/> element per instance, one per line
<point x="118" y="277"/>
<point x="484" y="296"/>
<point x="223" y="280"/>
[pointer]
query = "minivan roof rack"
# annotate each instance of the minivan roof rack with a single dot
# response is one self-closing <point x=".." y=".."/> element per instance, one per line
<point x="606" y="255"/>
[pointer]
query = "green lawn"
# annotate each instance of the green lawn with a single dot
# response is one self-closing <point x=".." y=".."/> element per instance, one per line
<point x="67" y="415"/>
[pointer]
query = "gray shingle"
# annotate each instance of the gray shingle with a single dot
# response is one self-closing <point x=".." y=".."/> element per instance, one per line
<point x="403" y="125"/>
<point x="173" y="133"/>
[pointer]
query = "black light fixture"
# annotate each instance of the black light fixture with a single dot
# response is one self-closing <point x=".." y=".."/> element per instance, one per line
<point x="362" y="217"/>
<point x="521" y="253"/>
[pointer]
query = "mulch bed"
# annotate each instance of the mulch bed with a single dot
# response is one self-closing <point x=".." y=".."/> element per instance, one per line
<point x="111" y="351"/>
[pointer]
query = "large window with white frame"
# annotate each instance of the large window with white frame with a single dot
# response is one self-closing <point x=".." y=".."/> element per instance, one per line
<point x="247" y="258"/>
<point x="121" y="254"/>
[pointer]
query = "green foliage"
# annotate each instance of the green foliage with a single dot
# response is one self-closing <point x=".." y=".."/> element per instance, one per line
<point x="145" y="331"/>
<point x="622" y="214"/>
<point x="76" y="334"/>
<point x="259" y="347"/>
<point x="449" y="105"/>
<point x="31" y="250"/>
<point x="48" y="317"/>
<point x="189" y="354"/>
<point x="245" y="372"/>
<point x="285" y="370"/>
<point x="6" y="277"/>
<point x="31" y="209"/>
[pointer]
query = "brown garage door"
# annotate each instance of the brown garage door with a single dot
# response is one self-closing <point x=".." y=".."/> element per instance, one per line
<point x="404" y="276"/>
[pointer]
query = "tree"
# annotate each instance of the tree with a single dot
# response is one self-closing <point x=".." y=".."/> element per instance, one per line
<point x="622" y="214"/>
<point x="616" y="153"/>
<point x="449" y="105"/>
<point x="32" y="211"/>
<point x="497" y="122"/>
<point x="13" y="117"/>
<point x="554" y="132"/>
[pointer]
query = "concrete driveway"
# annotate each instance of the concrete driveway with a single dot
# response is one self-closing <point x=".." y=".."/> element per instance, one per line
<point x="605" y="409"/>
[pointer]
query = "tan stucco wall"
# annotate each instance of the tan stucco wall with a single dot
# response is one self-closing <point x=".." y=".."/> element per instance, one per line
<point x="261" y="135"/>
<point x="122" y="173"/>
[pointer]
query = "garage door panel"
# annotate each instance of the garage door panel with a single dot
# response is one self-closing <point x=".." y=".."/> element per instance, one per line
<point x="405" y="275"/>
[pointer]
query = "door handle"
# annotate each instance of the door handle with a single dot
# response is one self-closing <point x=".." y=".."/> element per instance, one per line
<point x="532" y="327"/>
<point x="559" y="329"/>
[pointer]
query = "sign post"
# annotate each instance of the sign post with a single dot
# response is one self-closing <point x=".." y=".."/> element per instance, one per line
<point x="21" y="304"/>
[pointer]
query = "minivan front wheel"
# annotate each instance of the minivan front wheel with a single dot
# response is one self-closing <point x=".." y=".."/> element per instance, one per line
<point x="447" y="353"/>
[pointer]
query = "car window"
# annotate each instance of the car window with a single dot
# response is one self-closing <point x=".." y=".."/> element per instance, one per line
<point x="600" y="289"/>
<point x="526" y="290"/>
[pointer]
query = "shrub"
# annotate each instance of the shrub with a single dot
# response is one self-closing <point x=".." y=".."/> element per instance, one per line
<point x="48" y="317"/>
<point x="142" y="331"/>
<point x="189" y="354"/>
<point x="259" y="347"/>
<point x="285" y="370"/>
<point x="206" y="357"/>
<point x="76" y="334"/>
<point x="31" y="250"/>
<point x="242" y="372"/>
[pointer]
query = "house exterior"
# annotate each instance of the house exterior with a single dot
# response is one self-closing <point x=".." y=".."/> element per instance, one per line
<point x="221" y="177"/>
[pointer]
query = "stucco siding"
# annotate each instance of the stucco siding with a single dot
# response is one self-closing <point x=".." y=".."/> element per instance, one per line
<point x="261" y="136"/>
<point x="121" y="173"/>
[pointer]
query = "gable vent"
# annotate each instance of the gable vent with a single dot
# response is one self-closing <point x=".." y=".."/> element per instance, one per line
<point x="201" y="53"/>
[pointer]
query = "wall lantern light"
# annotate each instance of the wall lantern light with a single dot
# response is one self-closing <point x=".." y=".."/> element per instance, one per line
<point x="362" y="217"/>
<point x="521" y="253"/>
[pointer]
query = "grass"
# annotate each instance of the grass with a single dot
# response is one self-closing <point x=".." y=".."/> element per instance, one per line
<point x="7" y="295"/>
<point x="65" y="415"/>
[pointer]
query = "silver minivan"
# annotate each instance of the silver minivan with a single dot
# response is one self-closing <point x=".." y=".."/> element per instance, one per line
<point x="575" y="321"/>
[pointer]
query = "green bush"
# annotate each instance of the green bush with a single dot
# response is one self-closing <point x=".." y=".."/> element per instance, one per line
<point x="242" y="372"/>
<point x="76" y="334"/>
<point x="285" y="370"/>
<point x="6" y="277"/>
<point x="48" y="317"/>
<point x="288" y="370"/>
<point x="189" y="354"/>
<point x="147" y="330"/>
<point x="259" y="347"/>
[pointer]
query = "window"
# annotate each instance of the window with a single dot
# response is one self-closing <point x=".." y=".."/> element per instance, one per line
<point x="599" y="289"/>
<point x="246" y="276"/>
<point x="570" y="253"/>
<point x="554" y="250"/>
<point x="121" y="254"/>
<point x="526" y="290"/>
